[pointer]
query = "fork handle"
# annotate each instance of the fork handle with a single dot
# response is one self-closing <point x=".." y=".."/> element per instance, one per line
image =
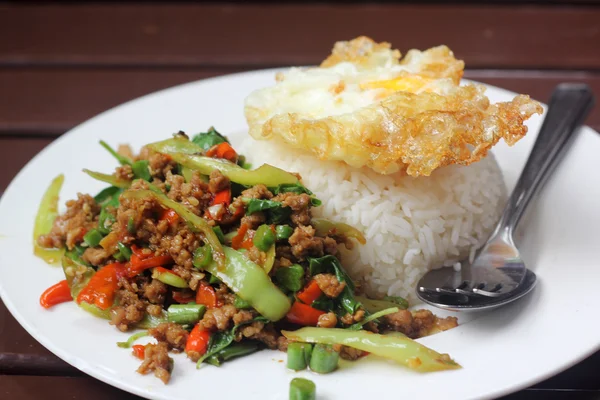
<point x="569" y="106"/>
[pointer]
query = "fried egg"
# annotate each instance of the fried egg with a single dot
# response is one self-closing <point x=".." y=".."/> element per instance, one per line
<point x="367" y="107"/>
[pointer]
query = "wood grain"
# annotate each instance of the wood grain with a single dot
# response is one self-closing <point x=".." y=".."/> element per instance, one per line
<point x="50" y="101"/>
<point x="15" y="153"/>
<point x="510" y="36"/>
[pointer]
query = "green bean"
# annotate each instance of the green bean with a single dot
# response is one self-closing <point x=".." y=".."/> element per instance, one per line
<point x="291" y="277"/>
<point x="93" y="237"/>
<point x="283" y="232"/>
<point x="302" y="389"/>
<point x="202" y="257"/>
<point x="185" y="314"/>
<point x="298" y="355"/>
<point x="105" y="217"/>
<point x="324" y="359"/>
<point x="131" y="225"/>
<point x="140" y="170"/>
<point x="263" y="238"/>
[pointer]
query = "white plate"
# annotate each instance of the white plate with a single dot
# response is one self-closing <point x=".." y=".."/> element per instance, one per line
<point x="500" y="351"/>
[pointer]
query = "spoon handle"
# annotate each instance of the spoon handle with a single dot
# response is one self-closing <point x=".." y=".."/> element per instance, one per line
<point x="569" y="106"/>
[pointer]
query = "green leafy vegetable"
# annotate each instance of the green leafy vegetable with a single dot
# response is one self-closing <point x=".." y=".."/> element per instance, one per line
<point x="232" y="351"/>
<point x="107" y="194"/>
<point x="206" y="140"/>
<point x="222" y="339"/>
<point x="331" y="265"/>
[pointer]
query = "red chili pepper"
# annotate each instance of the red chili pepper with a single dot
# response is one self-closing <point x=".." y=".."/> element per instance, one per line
<point x="222" y="197"/>
<point x="249" y="242"/>
<point x="170" y="216"/>
<point x="238" y="239"/>
<point x="206" y="295"/>
<point x="182" y="297"/>
<point x="310" y="293"/>
<point x="302" y="314"/>
<point x="138" y="264"/>
<point x="197" y="340"/>
<point x="139" y="350"/>
<point x="140" y="252"/>
<point x="223" y="150"/>
<point x="56" y="294"/>
<point x="102" y="287"/>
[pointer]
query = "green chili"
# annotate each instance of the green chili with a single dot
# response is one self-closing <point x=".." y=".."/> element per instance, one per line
<point x="95" y="310"/>
<point x="291" y="278"/>
<point x="110" y="179"/>
<point x="141" y="171"/>
<point x="185" y="314"/>
<point x="400" y="349"/>
<point x="47" y="213"/>
<point x="298" y="355"/>
<point x="265" y="174"/>
<point x="93" y="237"/>
<point x="250" y="282"/>
<point x="283" y="232"/>
<point x="198" y="224"/>
<point x="302" y="389"/>
<point x="151" y="321"/>
<point x="120" y="158"/>
<point x="169" y="278"/>
<point x="263" y="238"/>
<point x="202" y="257"/>
<point x="324" y="359"/>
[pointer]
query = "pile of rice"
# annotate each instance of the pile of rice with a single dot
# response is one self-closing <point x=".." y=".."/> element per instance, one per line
<point x="411" y="224"/>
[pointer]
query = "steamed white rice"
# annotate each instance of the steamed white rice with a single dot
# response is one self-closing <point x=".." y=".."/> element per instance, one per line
<point x="411" y="224"/>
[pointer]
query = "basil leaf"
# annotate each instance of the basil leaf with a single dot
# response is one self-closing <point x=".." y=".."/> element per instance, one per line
<point x="290" y="188"/>
<point x="331" y="265"/>
<point x="255" y="205"/>
<point x="206" y="140"/>
<point x="107" y="194"/>
<point x="275" y="211"/>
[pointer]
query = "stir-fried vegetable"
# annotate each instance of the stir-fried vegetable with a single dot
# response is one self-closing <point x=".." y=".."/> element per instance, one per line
<point x="232" y="351"/>
<point x="283" y="232"/>
<point x="251" y="283"/>
<point x="265" y="174"/>
<point x="400" y="349"/>
<point x="207" y="296"/>
<point x="110" y="179"/>
<point x="330" y="264"/>
<point x="290" y="278"/>
<point x="325" y="227"/>
<point x="93" y="237"/>
<point x="298" y="355"/>
<point x="47" y="212"/>
<point x="195" y="222"/>
<point x="302" y="389"/>
<point x="373" y="317"/>
<point x="131" y="340"/>
<point x="120" y="158"/>
<point x="141" y="171"/>
<point x="264" y="238"/>
<point x="202" y="257"/>
<point x="56" y="294"/>
<point x="224" y="151"/>
<point x="270" y="260"/>
<point x="185" y="314"/>
<point x="198" y="340"/>
<point x="324" y="359"/>
<point x="102" y="286"/>
<point x="310" y="293"/>
<point x="374" y="306"/>
<point x="206" y="140"/>
<point x="222" y="340"/>
<point x="303" y="314"/>
<point x="169" y="278"/>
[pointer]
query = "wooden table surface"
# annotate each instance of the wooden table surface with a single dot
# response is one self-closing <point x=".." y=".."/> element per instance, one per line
<point x="61" y="64"/>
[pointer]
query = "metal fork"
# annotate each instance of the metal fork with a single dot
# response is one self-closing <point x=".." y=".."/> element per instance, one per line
<point x="498" y="274"/>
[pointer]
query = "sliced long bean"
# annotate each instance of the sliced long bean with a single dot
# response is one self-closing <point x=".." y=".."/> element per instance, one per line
<point x="185" y="314"/>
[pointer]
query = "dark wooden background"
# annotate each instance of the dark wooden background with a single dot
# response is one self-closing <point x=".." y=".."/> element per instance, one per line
<point x="62" y="63"/>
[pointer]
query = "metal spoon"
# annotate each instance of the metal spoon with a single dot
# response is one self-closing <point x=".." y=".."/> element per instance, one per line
<point x="498" y="275"/>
